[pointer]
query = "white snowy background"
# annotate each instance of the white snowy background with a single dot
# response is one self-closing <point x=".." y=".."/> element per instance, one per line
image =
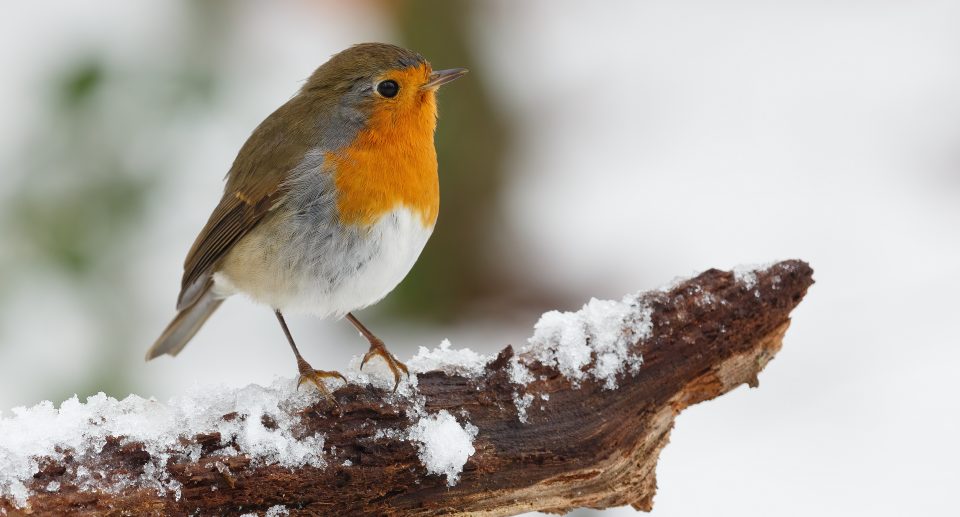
<point x="657" y="139"/>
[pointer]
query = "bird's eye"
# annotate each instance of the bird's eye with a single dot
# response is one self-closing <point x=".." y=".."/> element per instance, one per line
<point x="388" y="88"/>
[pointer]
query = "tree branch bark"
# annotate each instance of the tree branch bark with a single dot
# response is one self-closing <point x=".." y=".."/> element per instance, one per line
<point x="583" y="445"/>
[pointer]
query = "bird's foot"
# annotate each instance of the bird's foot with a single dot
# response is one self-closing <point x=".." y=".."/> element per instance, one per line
<point x="316" y="377"/>
<point x="378" y="349"/>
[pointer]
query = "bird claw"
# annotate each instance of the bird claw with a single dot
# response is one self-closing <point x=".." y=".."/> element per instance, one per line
<point x="378" y="349"/>
<point x="316" y="377"/>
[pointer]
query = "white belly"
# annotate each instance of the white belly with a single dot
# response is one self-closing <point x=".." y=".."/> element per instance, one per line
<point x="324" y="271"/>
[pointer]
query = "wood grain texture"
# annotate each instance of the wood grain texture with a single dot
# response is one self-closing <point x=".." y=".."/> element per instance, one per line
<point x="582" y="446"/>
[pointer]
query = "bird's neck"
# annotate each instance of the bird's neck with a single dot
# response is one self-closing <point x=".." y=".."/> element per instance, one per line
<point x="392" y="163"/>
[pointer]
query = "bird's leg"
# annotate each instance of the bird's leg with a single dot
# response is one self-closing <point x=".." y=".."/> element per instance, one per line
<point x="307" y="373"/>
<point x="377" y="348"/>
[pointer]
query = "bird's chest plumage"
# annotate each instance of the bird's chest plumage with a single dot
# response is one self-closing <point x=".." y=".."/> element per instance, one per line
<point x="344" y="237"/>
<point x="347" y="267"/>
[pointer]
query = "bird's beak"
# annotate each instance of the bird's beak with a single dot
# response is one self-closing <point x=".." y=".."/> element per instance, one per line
<point x="441" y="77"/>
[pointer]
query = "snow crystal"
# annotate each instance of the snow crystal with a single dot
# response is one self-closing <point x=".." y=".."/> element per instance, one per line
<point x="747" y="277"/>
<point x="277" y="511"/>
<point x="519" y="374"/>
<point x="522" y="403"/>
<point x="746" y="274"/>
<point x="568" y="333"/>
<point x="260" y="424"/>
<point x="444" y="444"/>
<point x="603" y="330"/>
<point x="389" y="433"/>
<point x="706" y="299"/>
<point x="274" y="511"/>
<point x="461" y="361"/>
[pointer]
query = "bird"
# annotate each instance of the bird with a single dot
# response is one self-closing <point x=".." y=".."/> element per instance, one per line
<point x="328" y="204"/>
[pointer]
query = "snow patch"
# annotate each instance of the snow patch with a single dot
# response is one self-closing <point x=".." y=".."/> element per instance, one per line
<point x="277" y="511"/>
<point x="747" y="277"/>
<point x="449" y="360"/>
<point x="444" y="444"/>
<point x="274" y="511"/>
<point x="602" y="330"/>
<point x="260" y="425"/>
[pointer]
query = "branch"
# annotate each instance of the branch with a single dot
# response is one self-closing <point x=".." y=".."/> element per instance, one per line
<point x="575" y="419"/>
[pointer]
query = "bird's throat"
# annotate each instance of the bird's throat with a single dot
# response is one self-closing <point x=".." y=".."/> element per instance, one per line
<point x="391" y="163"/>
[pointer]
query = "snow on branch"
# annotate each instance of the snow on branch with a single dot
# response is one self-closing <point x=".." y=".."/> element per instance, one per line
<point x="575" y="418"/>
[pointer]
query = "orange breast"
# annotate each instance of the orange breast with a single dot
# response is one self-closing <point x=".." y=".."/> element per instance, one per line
<point x="392" y="163"/>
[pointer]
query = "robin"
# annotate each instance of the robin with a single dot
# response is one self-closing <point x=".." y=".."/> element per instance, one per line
<point x="328" y="204"/>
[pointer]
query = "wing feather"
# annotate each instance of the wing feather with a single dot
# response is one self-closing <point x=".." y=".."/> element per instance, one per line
<point x="255" y="185"/>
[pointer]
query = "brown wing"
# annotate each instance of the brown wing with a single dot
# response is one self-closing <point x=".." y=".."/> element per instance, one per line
<point x="254" y="186"/>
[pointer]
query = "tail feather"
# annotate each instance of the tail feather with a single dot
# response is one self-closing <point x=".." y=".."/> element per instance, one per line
<point x="183" y="327"/>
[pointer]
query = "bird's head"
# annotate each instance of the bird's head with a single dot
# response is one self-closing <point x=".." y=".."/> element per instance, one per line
<point x="381" y="85"/>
